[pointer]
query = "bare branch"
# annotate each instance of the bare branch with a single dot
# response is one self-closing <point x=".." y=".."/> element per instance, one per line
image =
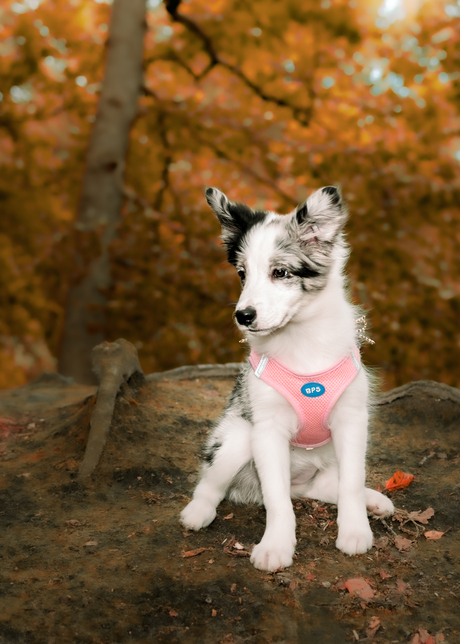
<point x="249" y="171"/>
<point x="301" y="114"/>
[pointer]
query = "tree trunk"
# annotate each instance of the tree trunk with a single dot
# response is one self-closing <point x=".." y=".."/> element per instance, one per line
<point x="101" y="198"/>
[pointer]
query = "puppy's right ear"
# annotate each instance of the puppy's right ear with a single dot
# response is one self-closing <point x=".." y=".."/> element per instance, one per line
<point x="220" y="204"/>
<point x="235" y="218"/>
<point x="224" y="211"/>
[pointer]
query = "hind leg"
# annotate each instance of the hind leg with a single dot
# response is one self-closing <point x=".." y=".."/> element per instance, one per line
<point x="378" y="504"/>
<point x="325" y="486"/>
<point x="232" y="450"/>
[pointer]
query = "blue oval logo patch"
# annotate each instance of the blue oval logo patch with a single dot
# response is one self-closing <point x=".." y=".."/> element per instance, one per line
<point x="313" y="389"/>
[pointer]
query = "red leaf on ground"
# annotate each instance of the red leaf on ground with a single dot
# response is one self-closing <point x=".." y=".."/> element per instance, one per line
<point x="423" y="637"/>
<point x="384" y="574"/>
<point x="172" y="613"/>
<point x="193" y="553"/>
<point x="373" y="627"/>
<point x="402" y="587"/>
<point x="8" y="427"/>
<point x="359" y="587"/>
<point x="402" y="544"/>
<point x="433" y="534"/>
<point x="310" y="576"/>
<point x="398" y="481"/>
<point x="422" y="517"/>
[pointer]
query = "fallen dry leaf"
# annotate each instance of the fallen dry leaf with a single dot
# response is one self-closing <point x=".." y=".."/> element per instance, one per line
<point x="229" y="516"/>
<point x="373" y="627"/>
<point x="193" y="553"/>
<point x="91" y="543"/>
<point x="402" y="587"/>
<point x="359" y="587"/>
<point x="433" y="534"/>
<point x="310" y="576"/>
<point x="172" y="613"/>
<point x="384" y="574"/>
<point x="381" y="543"/>
<point x="421" y="517"/>
<point x="423" y="637"/>
<point x="398" y="481"/>
<point x="402" y="544"/>
<point x="235" y="548"/>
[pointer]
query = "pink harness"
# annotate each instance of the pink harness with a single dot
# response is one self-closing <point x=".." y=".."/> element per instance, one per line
<point x="312" y="397"/>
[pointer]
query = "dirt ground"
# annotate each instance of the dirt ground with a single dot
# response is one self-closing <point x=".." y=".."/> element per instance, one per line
<point x="108" y="561"/>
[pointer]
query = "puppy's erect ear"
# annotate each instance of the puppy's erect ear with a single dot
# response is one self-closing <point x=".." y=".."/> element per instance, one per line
<point x="322" y="216"/>
<point x="221" y="206"/>
<point x="235" y="218"/>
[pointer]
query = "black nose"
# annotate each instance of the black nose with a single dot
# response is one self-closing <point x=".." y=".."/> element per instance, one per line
<point x="246" y="316"/>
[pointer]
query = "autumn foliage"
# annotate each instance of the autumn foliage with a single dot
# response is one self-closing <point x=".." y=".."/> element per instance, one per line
<point x="267" y="101"/>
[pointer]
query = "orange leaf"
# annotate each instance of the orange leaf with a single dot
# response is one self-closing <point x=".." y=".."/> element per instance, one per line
<point x="373" y="627"/>
<point x="398" y="481"/>
<point x="359" y="587"/>
<point x="433" y="534"/>
<point x="193" y="553"/>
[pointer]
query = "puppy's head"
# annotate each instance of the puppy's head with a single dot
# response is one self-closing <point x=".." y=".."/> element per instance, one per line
<point x="283" y="260"/>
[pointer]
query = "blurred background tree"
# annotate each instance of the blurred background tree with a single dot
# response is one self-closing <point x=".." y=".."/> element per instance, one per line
<point x="267" y="101"/>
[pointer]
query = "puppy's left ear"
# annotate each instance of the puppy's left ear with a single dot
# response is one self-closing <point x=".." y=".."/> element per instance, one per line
<point x="322" y="216"/>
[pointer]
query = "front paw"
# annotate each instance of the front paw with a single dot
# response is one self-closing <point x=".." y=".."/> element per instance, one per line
<point x="354" y="540"/>
<point x="197" y="514"/>
<point x="272" y="554"/>
<point x="378" y="504"/>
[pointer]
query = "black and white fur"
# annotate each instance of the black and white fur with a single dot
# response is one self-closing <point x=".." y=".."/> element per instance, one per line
<point x="293" y="307"/>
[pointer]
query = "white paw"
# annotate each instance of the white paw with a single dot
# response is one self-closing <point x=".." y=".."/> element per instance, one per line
<point x="197" y="514"/>
<point x="379" y="504"/>
<point x="355" y="540"/>
<point x="271" y="555"/>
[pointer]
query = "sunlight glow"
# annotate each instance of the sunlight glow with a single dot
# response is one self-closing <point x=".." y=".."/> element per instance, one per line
<point x="20" y="94"/>
<point x="452" y="10"/>
<point x="392" y="10"/>
<point x="25" y="5"/>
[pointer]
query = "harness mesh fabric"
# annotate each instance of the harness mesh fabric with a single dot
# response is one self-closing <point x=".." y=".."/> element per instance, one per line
<point x="313" y="409"/>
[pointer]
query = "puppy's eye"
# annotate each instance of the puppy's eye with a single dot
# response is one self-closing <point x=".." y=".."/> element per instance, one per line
<point x="241" y="274"/>
<point x="280" y="273"/>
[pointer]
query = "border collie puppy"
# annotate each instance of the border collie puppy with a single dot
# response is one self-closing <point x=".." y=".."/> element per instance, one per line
<point x="295" y="425"/>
